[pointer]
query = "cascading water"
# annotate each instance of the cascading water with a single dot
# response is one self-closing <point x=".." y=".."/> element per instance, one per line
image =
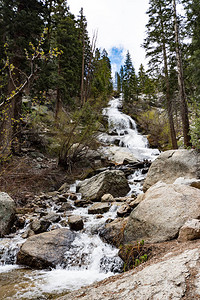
<point x="89" y="259"/>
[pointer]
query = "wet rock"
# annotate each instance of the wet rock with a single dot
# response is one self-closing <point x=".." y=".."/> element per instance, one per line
<point x="65" y="206"/>
<point x="82" y="202"/>
<point x="189" y="231"/>
<point x="20" y="221"/>
<point x="113" y="182"/>
<point x="75" y="222"/>
<point x="124" y="210"/>
<point x="64" y="188"/>
<point x="111" y="264"/>
<point x="52" y="217"/>
<point x="162" y="212"/>
<point x="7" y="213"/>
<point x="107" y="198"/>
<point x="46" y="249"/>
<point x="173" y="164"/>
<point x="40" y="225"/>
<point x="98" y="208"/>
<point x="113" y="231"/>
<point x="62" y="198"/>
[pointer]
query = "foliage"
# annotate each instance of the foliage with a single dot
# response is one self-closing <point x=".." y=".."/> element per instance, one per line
<point x="154" y="122"/>
<point x="81" y="133"/>
<point x="133" y="254"/>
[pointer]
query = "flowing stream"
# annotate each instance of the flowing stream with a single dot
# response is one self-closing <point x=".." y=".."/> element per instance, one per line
<point x="89" y="259"/>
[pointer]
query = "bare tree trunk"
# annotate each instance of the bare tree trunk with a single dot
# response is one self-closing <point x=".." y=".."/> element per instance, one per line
<point x="168" y="97"/>
<point x="82" y="75"/>
<point x="58" y="100"/>
<point x="169" y="102"/>
<point x="182" y="94"/>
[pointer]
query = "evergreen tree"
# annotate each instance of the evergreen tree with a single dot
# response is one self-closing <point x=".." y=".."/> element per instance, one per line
<point x="21" y="23"/>
<point x="160" y="36"/>
<point x="129" y="85"/>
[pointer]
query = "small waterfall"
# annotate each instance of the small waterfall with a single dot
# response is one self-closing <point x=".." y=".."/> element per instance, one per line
<point x="123" y="133"/>
<point x="89" y="259"/>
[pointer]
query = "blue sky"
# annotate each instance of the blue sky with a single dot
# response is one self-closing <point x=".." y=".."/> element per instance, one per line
<point x="120" y="25"/>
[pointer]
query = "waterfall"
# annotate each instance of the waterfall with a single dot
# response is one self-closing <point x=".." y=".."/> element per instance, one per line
<point x="89" y="259"/>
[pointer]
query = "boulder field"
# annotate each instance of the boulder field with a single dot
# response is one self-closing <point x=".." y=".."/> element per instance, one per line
<point x="167" y="212"/>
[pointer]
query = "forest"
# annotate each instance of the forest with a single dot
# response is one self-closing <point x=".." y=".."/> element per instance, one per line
<point x="48" y="62"/>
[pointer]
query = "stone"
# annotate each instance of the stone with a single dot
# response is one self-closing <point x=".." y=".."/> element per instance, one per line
<point x="188" y="181"/>
<point x="112" y="182"/>
<point x="189" y="231"/>
<point x="112" y="232"/>
<point x="172" y="164"/>
<point x="133" y="204"/>
<point x="7" y="213"/>
<point x="40" y="225"/>
<point x="75" y="222"/>
<point x="82" y="202"/>
<point x="124" y="210"/>
<point x="98" y="208"/>
<point x="65" y="207"/>
<point x="107" y="198"/>
<point x="162" y="212"/>
<point x="46" y="249"/>
<point x="52" y="217"/>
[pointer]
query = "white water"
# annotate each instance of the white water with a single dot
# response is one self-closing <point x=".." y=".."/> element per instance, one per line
<point x="122" y="128"/>
<point x="89" y="258"/>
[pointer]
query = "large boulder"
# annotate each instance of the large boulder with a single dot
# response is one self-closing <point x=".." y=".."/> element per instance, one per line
<point x="173" y="164"/>
<point x="164" y="210"/>
<point x="112" y="182"/>
<point x="7" y="213"/>
<point x="46" y="249"/>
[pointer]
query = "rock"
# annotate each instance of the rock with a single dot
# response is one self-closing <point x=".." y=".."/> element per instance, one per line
<point x="119" y="154"/>
<point x="173" y="277"/>
<point x="113" y="231"/>
<point x="173" y="164"/>
<point x="188" y="181"/>
<point x="124" y="210"/>
<point x="82" y="202"/>
<point x="189" y="231"/>
<point x="46" y="249"/>
<point x="40" y="225"/>
<point x="133" y="204"/>
<point x="65" y="206"/>
<point x="75" y="223"/>
<point x="164" y="209"/>
<point x="52" y="217"/>
<point x="98" y="208"/>
<point x="64" y="188"/>
<point x="112" y="182"/>
<point x="107" y="198"/>
<point x="7" y="213"/>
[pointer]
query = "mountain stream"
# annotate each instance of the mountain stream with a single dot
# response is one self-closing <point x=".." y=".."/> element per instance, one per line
<point x="89" y="259"/>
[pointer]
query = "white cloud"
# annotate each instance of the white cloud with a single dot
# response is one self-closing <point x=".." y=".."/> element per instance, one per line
<point x="120" y="23"/>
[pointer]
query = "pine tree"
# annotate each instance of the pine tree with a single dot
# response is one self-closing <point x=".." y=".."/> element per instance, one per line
<point x="181" y="82"/>
<point x="157" y="45"/>
<point x="129" y="81"/>
<point x="21" y="23"/>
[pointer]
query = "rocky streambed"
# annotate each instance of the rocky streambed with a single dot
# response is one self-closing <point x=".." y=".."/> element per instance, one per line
<point x="70" y="238"/>
<point x="66" y="239"/>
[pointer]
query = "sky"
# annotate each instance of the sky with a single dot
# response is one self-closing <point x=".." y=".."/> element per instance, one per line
<point x="120" y="25"/>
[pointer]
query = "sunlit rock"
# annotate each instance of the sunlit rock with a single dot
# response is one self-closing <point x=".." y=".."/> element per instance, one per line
<point x="7" y="213"/>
